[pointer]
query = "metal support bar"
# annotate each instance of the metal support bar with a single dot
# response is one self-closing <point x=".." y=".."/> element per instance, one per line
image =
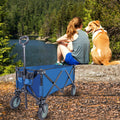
<point x="41" y="72"/>
<point x="68" y="77"/>
<point x="54" y="83"/>
<point x="17" y="92"/>
<point x="74" y="72"/>
<point x="33" y="93"/>
<point x="25" y="97"/>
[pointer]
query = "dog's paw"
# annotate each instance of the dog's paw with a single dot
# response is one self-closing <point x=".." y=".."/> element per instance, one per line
<point x="93" y="63"/>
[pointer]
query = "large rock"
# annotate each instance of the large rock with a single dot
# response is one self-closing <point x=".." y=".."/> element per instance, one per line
<point x="97" y="73"/>
<point x="86" y="73"/>
<point x="8" y="78"/>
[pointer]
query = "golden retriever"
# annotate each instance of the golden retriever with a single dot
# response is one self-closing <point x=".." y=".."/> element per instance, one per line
<point x="101" y="52"/>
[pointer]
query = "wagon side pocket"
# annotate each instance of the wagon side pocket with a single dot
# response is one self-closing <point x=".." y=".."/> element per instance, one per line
<point x="29" y="78"/>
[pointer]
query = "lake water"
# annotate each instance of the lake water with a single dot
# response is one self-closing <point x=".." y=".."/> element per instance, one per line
<point x="37" y="52"/>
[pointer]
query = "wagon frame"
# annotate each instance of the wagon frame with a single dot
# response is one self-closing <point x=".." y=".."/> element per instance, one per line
<point x="30" y="80"/>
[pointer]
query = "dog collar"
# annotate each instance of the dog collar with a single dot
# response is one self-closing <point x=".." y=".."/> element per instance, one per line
<point x="97" y="30"/>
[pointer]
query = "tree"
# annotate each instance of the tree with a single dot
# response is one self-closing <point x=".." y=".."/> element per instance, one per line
<point x="51" y="17"/>
<point x="6" y="60"/>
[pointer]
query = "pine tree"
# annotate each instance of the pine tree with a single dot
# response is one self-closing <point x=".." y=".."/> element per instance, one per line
<point x="6" y="60"/>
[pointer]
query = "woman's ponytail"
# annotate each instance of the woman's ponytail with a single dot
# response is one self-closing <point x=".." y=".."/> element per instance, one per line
<point x="72" y="26"/>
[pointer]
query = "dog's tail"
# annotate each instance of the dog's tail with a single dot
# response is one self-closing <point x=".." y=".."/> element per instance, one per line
<point x="112" y="63"/>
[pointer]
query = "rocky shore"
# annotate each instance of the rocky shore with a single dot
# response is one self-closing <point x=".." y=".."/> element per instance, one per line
<point x="8" y="78"/>
<point x="93" y="73"/>
<point x="98" y="73"/>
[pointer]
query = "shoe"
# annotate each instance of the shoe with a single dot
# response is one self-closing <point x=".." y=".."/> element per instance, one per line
<point x="58" y="64"/>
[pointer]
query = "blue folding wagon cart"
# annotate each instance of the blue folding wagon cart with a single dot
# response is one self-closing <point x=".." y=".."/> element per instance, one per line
<point x="41" y="81"/>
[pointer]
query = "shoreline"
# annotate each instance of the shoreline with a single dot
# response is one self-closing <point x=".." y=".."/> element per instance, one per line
<point x="85" y="73"/>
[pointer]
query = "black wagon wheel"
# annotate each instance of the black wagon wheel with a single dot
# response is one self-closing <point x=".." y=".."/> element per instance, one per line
<point x="15" y="102"/>
<point x="43" y="111"/>
<point x="73" y="90"/>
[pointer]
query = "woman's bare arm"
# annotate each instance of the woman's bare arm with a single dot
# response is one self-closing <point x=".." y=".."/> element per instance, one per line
<point x="62" y="38"/>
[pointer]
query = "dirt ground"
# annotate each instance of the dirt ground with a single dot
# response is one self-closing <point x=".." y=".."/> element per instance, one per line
<point x="97" y="98"/>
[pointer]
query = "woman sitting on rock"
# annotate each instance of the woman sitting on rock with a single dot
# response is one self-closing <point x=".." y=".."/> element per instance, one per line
<point x="74" y="46"/>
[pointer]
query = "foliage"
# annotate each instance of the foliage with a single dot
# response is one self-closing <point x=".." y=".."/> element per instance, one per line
<point x="43" y="18"/>
<point x="108" y="12"/>
<point x="6" y="60"/>
<point x="49" y="18"/>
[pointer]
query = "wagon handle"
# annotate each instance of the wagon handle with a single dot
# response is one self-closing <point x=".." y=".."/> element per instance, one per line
<point x="22" y="38"/>
<point x="23" y="45"/>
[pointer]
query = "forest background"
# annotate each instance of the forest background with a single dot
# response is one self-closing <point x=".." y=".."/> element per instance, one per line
<point x="49" y="18"/>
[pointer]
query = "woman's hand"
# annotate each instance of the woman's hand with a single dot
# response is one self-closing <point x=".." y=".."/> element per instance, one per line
<point x="70" y="46"/>
<point x="62" y="39"/>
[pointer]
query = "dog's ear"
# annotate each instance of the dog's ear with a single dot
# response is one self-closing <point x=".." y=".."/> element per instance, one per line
<point x="97" y="22"/>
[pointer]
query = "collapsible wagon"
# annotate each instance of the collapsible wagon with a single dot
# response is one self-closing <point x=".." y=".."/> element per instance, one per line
<point x="41" y="81"/>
